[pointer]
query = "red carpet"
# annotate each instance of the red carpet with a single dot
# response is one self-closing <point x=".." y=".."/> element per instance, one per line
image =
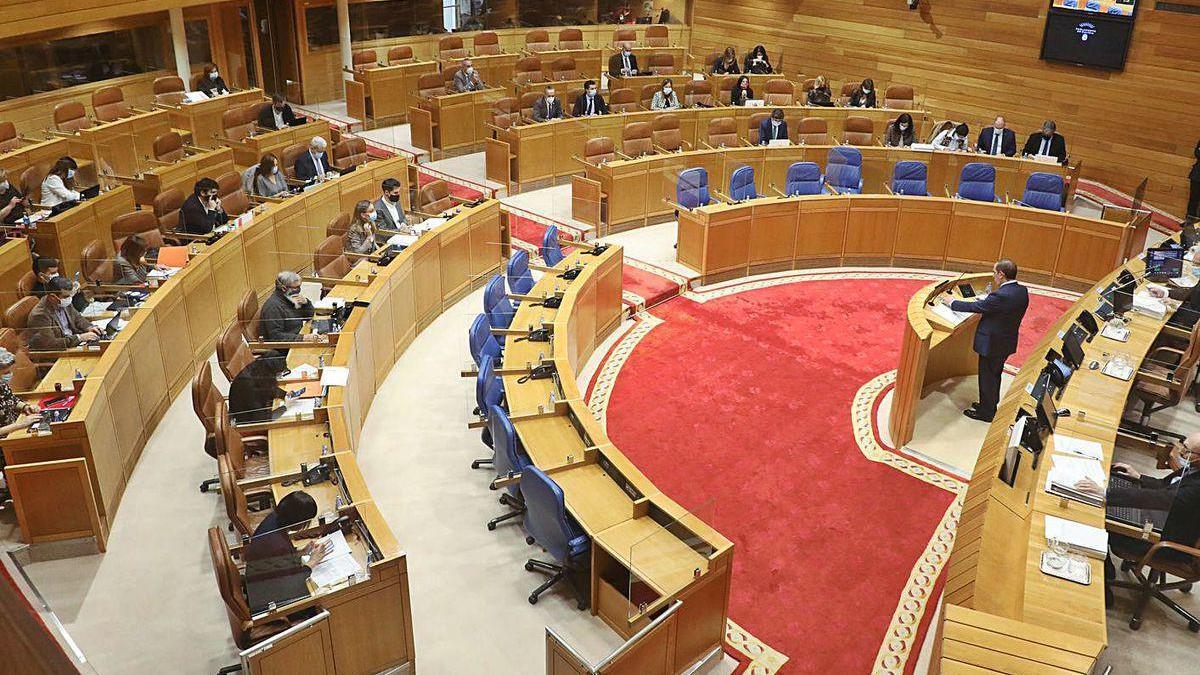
<point x="739" y="408"/>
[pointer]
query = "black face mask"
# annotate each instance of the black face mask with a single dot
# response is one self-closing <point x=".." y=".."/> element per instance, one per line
<point x="393" y="198"/>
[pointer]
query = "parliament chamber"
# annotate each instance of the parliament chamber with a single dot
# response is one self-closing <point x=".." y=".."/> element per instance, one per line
<point x="599" y="338"/>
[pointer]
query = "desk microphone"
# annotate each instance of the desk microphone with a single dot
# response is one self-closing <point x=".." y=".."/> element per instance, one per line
<point x="934" y="300"/>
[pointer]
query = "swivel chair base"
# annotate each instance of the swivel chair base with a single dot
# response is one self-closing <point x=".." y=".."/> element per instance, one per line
<point x="557" y="573"/>
<point x="1153" y="587"/>
<point x="518" y="509"/>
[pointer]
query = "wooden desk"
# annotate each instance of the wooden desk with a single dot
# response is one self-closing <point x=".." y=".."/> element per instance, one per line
<point x="386" y="93"/>
<point x="588" y="62"/>
<point x="454" y="120"/>
<point x="124" y="147"/>
<point x="183" y="174"/>
<point x="43" y="153"/>
<point x="249" y="151"/>
<point x="203" y="118"/>
<point x="496" y="70"/>
<point x="758" y="84"/>
<point x="63" y="236"/>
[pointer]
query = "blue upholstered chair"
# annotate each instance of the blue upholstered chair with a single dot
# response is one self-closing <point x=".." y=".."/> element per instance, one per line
<point x="520" y="280"/>
<point x="978" y="182"/>
<point x="489" y="391"/>
<point x="496" y="305"/>
<point x="551" y="250"/>
<point x="481" y="340"/>
<point x="691" y="190"/>
<point x="509" y="460"/>
<point x="550" y="526"/>
<point x="843" y="171"/>
<point x="804" y="178"/>
<point x="741" y="184"/>
<point x="910" y="178"/>
<point x="1044" y="191"/>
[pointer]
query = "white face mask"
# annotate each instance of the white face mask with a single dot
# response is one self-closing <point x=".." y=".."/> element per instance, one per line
<point x="903" y="127"/>
<point x="371" y="216"/>
<point x="275" y="171"/>
<point x="6" y="378"/>
<point x="471" y="70"/>
<point x="213" y="75"/>
<point x="64" y="302"/>
<point x="866" y="91"/>
<point x="549" y="99"/>
<point x="4" y="186"/>
<point x="70" y="174"/>
<point x="666" y="90"/>
<point x="774" y="123"/>
<point x="591" y="92"/>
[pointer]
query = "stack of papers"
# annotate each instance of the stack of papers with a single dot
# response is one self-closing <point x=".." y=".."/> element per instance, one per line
<point x="1150" y="306"/>
<point x="162" y="274"/>
<point x="1185" y="281"/>
<point x="298" y="408"/>
<point x="328" y="302"/>
<point x="428" y="224"/>
<point x="96" y="307"/>
<point x="1078" y="446"/>
<point x="1117" y="333"/>
<point x="1080" y="538"/>
<point x="402" y="240"/>
<point x="948" y="315"/>
<point x="1065" y="474"/>
<point x="335" y="376"/>
<point x="338" y="564"/>
<point x="311" y="290"/>
<point x="194" y="96"/>
<point x="1119" y="371"/>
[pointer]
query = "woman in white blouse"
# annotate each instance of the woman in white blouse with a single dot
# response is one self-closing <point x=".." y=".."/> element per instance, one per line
<point x="665" y="98"/>
<point x="59" y="183"/>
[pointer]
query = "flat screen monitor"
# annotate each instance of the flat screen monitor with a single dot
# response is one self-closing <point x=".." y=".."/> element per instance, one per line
<point x="1084" y="39"/>
<point x="1122" y="298"/>
<point x="1165" y="261"/>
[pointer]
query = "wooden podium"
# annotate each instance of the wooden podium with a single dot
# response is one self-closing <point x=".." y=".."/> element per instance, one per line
<point x="203" y="118"/>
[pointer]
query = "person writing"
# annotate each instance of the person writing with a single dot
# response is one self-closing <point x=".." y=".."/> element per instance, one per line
<point x="996" y="336"/>
<point x="757" y="62"/>
<point x="900" y="133"/>
<point x="360" y="238"/>
<point x="202" y="212"/>
<point x="623" y="63"/>
<point x="953" y="138"/>
<point x="391" y="218"/>
<point x="547" y="107"/>
<point x="726" y="64"/>
<point x="466" y="79"/>
<point x="314" y="164"/>
<point x="820" y="95"/>
<point x="773" y="129"/>
<point x="15" y="414"/>
<point x="741" y="92"/>
<point x="864" y="95"/>
<point x="211" y="83"/>
<point x="278" y="115"/>
<point x="59" y="185"/>
<point x="55" y="324"/>
<point x="132" y="268"/>
<point x="292" y="512"/>
<point x="13" y="204"/>
<point x="997" y="139"/>
<point x="285" y="312"/>
<point x="665" y="98"/>
<point x="590" y="102"/>
<point x="1047" y="143"/>
<point x="266" y="180"/>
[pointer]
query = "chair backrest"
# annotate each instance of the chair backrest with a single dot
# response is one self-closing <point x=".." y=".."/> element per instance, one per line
<point x="977" y="182"/>
<point x="648" y="94"/>
<point x="142" y="223"/>
<point x="287" y="158"/>
<point x="434" y="197"/>
<point x="31" y="181"/>
<point x="636" y="140"/>
<point x="430" y="85"/>
<point x="486" y="44"/>
<point x="24" y="372"/>
<point x="401" y="54"/>
<point x="570" y="38"/>
<point x="753" y="125"/>
<point x="550" y="250"/>
<point x="910" y="177"/>
<point x="25" y="283"/>
<point x="1044" y="191"/>
<point x="497" y="306"/>
<point x="520" y="280"/>
<point x="510" y="457"/>
<point x="528" y="70"/>
<point x="662" y="64"/>
<point x="168" y="147"/>
<point x="538" y="41"/>
<point x="657" y="35"/>
<point x="70" y="116"/>
<point x="236" y="508"/>
<point x="813" y="131"/>
<point x="697" y="92"/>
<point x="329" y="260"/>
<point x="741" y="184"/>
<point x="546" y="517"/>
<point x="339" y="225"/>
<point x="528" y="100"/>
<point x="448" y="74"/>
<point x="898" y="96"/>
<point x="804" y="178"/>
<point x="666" y="133"/>
<point x="166" y="208"/>
<point x="725" y="88"/>
<point x="563" y="68"/>
<point x="234" y="200"/>
<point x="8" y="137"/>
<point x="237" y="123"/>
<point x="489" y="387"/>
<point x="624" y="37"/>
<point x="722" y="132"/>
<point x="349" y="152"/>
<point x="16" y="316"/>
<point x="233" y="353"/>
<point x="170" y="84"/>
<point x="506" y="112"/>
<point x="96" y="264"/>
<point x="599" y="150"/>
<point x="451" y="47"/>
<point x="622" y="100"/>
<point x="365" y="59"/>
<point x="847" y="91"/>
<point x="691" y="190"/>
<point x="108" y="104"/>
<point x="843" y="170"/>
<point x="858" y="131"/>
<point x="247" y="315"/>
<point x="230" y="588"/>
<point x="481" y="341"/>
<point x="779" y="92"/>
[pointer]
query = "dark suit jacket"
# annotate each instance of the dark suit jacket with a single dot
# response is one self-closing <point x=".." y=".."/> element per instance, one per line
<point x="45" y="332"/>
<point x="306" y="170"/>
<point x="1000" y="323"/>
<point x="581" y="106"/>
<point x="266" y="118"/>
<point x="719" y="68"/>
<point x="615" y="63"/>
<point x="213" y="87"/>
<point x="1058" y="146"/>
<point x="764" y="131"/>
<point x="385" y="225"/>
<point x="1008" y="142"/>
<point x="195" y="219"/>
<point x="539" y="109"/>
<point x="281" y="321"/>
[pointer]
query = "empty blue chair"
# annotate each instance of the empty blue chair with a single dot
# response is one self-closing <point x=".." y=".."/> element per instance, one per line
<point x="489" y="391"/>
<point x="520" y="280"/>
<point x="804" y="178"/>
<point x="552" y="528"/>
<point x="741" y="184"/>
<point x="510" y="459"/>
<point x="978" y="182"/>
<point x="551" y="250"/>
<point x="1044" y="191"/>
<point x="910" y="178"/>
<point x="843" y="171"/>
<point x="481" y="340"/>
<point x="691" y="190"/>
<point x="1092" y="6"/>
<point x="496" y="305"/>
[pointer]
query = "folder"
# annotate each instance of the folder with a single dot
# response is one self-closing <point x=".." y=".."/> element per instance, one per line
<point x="173" y="256"/>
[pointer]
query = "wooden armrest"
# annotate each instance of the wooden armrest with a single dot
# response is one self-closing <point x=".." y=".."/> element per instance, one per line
<point x="746" y="143"/>
<point x="722" y="196"/>
<point x="707" y="146"/>
<point x="425" y="215"/>
<point x="888" y="187"/>
<point x="373" y="257"/>
<point x="1166" y="545"/>
<point x="152" y="162"/>
<point x="1176" y="332"/>
<point x="1168" y="382"/>
<point x="1170" y="350"/>
<point x="113" y="288"/>
<point x="584" y="162"/>
<point x="542" y="268"/>
<point x="675" y="205"/>
<point x="59" y="134"/>
<point x="188" y="236"/>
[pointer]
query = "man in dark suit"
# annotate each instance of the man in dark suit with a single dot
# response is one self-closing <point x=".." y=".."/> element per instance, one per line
<point x="1047" y="142"/>
<point x="623" y="63"/>
<point x="547" y="107"/>
<point x="315" y="162"/>
<point x="278" y="115"/>
<point x="391" y="219"/>
<point x="997" y="332"/>
<point x="202" y="212"/>
<point x="997" y="140"/>
<point x="772" y="129"/>
<point x="590" y="102"/>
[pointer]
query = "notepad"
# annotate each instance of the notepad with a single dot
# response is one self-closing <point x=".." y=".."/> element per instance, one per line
<point x="1080" y="538"/>
<point x="1078" y="446"/>
<point x="1116" y="333"/>
<point x="1066" y="472"/>
<point x="334" y="376"/>
<point x="948" y="315"/>
<point x="311" y="290"/>
<point x="338" y="564"/>
<point x="1114" y="369"/>
<point x="329" y="302"/>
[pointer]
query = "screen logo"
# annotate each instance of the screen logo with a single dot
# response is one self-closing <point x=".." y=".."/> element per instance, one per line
<point x="1085" y="30"/>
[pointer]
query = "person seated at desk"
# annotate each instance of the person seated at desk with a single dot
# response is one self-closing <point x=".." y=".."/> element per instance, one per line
<point x="45" y="269"/>
<point x="202" y="212"/>
<point x="623" y="63"/>
<point x="211" y="83"/>
<point x="900" y="132"/>
<point x="59" y="185"/>
<point x="466" y="79"/>
<point x="314" y="164"/>
<point x="741" y="92"/>
<point x="820" y="95"/>
<point x="1047" y="142"/>
<point x="265" y="179"/>
<point x="55" y="324"/>
<point x="292" y="512"/>
<point x="254" y="390"/>
<point x="864" y="95"/>
<point x="278" y="115"/>
<point x="726" y="64"/>
<point x="391" y="218"/>
<point x="131" y="262"/>
<point x="757" y="62"/>
<point x="13" y="204"/>
<point x="773" y="128"/>
<point x="15" y="414"/>
<point x="997" y="139"/>
<point x="547" y="107"/>
<point x="360" y="238"/>
<point x="590" y="102"/>
<point x="953" y="138"/>
<point x="665" y="98"/>
<point x="285" y="312"/>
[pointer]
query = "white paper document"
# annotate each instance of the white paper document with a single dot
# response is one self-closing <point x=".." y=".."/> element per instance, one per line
<point x="1117" y="333"/>
<point x="195" y="96"/>
<point x="95" y="307"/>
<point x="1085" y="539"/>
<point x="402" y="240"/>
<point x="1078" y="446"/>
<point x="299" y="407"/>
<point x="334" y="376"/>
<point x="1066" y="472"/>
<point x="328" y="302"/>
<point x="428" y="224"/>
<point x="311" y="290"/>
<point x="1150" y="306"/>
<point x="948" y="315"/>
<point x="338" y="564"/>
<point x="1119" y="371"/>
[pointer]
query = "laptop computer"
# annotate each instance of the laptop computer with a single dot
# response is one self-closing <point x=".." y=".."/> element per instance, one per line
<point x="274" y="572"/>
<point x="1129" y="515"/>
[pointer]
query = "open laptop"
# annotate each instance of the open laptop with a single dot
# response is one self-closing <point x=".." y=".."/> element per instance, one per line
<point x="1129" y="515"/>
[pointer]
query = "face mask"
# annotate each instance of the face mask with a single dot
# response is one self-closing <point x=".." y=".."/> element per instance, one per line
<point x="471" y="71"/>
<point x="213" y="75"/>
<point x="292" y="292"/>
<point x="6" y="378"/>
<point x="549" y="99"/>
<point x="64" y="302"/>
<point x="591" y="92"/>
<point x="393" y="198"/>
<point x="666" y="90"/>
<point x="775" y="123"/>
<point x="903" y="127"/>
<point x="279" y="110"/>
<point x="960" y="139"/>
<point x="275" y="171"/>
<point x="4" y="186"/>
<point x="371" y="216"/>
<point x="866" y="91"/>
<point x="70" y="174"/>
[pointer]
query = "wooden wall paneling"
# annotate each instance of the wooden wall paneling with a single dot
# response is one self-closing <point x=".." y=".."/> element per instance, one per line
<point x="726" y="250"/>
<point x="871" y="230"/>
<point x="131" y="429"/>
<point x="320" y="207"/>
<point x="1032" y="239"/>
<point x="148" y="372"/>
<point x="627" y="195"/>
<point x="427" y="283"/>
<point x="54" y="501"/>
<point x="383" y="339"/>
<point x="404" y="316"/>
<point x="690" y="233"/>
<point x="228" y="263"/>
<point x="307" y="652"/>
<point x="374" y="620"/>
<point x="976" y="232"/>
<point x="821" y="232"/>
<point x="1090" y="249"/>
<point x="171" y="326"/>
<point x="15" y="261"/>
<point x="772" y="237"/>
<point x="455" y="268"/>
<point x="102" y="448"/>
<point x="200" y="298"/>
<point x="922" y="230"/>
